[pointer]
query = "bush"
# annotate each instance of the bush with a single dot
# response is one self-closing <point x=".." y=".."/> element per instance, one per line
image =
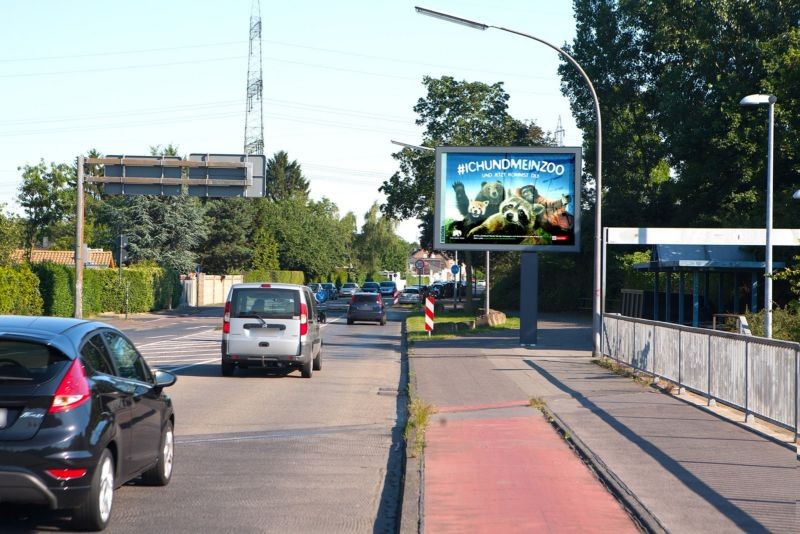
<point x="149" y="287"/>
<point x="19" y="291"/>
<point x="283" y="277"/>
<point x="785" y="322"/>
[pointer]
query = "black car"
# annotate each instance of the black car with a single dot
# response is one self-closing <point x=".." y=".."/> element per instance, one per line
<point x="366" y="307"/>
<point x="81" y="413"/>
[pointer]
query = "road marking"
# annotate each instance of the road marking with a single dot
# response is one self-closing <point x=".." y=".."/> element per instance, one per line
<point x="176" y="369"/>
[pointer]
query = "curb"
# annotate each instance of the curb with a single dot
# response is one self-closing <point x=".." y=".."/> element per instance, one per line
<point x="644" y="518"/>
<point x="413" y="474"/>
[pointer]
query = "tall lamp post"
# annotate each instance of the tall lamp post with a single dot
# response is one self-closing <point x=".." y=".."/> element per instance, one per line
<point x="599" y="292"/>
<point x="757" y="100"/>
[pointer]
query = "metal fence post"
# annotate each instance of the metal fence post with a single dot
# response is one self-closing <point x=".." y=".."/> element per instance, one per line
<point x="711" y="400"/>
<point x="796" y="395"/>
<point x="681" y="389"/>
<point x="748" y="417"/>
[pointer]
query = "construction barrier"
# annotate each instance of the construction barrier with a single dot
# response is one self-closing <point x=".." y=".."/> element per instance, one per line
<point x="429" y="314"/>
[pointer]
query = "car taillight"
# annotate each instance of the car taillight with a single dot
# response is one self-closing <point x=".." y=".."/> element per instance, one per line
<point x="303" y="319"/>
<point x="226" y="319"/>
<point x="72" y="391"/>
<point x="66" y="473"/>
<point x="353" y="299"/>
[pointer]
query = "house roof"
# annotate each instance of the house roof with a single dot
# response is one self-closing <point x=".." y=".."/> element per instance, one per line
<point x="97" y="256"/>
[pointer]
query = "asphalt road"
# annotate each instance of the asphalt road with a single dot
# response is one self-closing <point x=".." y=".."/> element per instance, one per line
<point x="260" y="452"/>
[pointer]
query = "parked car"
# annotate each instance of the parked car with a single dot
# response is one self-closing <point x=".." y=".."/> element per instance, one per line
<point x="348" y="288"/>
<point x="371" y="287"/>
<point x="366" y="307"/>
<point x="74" y="396"/>
<point x="333" y="292"/>
<point x="410" y="295"/>
<point x="388" y="288"/>
<point x="276" y="326"/>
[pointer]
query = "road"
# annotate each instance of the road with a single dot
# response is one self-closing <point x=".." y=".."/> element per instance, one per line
<point x="259" y="452"/>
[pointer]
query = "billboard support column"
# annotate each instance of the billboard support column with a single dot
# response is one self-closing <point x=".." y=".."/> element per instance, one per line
<point x="487" y="283"/>
<point x="528" y="299"/>
<point x="79" y="242"/>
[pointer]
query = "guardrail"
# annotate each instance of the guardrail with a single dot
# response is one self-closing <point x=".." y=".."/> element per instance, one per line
<point x="757" y="375"/>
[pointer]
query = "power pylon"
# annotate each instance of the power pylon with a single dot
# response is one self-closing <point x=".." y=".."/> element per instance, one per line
<point x="254" y="118"/>
<point x="559" y="133"/>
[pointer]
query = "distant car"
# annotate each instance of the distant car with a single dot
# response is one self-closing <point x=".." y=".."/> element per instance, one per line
<point x="333" y="292"/>
<point x="410" y="295"/>
<point x="366" y="307"/>
<point x="271" y="325"/>
<point x="388" y="288"/>
<point x="81" y="413"/>
<point x="371" y="287"/>
<point x="348" y="288"/>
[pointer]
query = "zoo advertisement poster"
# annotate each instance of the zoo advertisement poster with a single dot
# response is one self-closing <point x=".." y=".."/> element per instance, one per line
<point x="507" y="198"/>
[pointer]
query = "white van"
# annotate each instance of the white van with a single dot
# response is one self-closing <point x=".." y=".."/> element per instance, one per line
<point x="271" y="325"/>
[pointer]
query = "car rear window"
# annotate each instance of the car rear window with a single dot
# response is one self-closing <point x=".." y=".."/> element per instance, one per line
<point x="349" y="285"/>
<point x="273" y="302"/>
<point x="411" y="291"/>
<point x="366" y="298"/>
<point x="22" y="362"/>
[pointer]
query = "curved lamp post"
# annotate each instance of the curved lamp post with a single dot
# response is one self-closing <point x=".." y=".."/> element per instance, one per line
<point x="757" y="100"/>
<point x="599" y="290"/>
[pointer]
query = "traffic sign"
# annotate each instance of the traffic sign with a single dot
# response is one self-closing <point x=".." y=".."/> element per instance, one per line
<point x="244" y="180"/>
<point x="419" y="264"/>
<point x="454" y="269"/>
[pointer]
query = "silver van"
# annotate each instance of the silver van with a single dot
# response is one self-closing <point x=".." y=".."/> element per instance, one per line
<point x="271" y="325"/>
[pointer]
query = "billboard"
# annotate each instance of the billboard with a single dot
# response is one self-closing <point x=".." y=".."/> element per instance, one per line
<point x="507" y="198"/>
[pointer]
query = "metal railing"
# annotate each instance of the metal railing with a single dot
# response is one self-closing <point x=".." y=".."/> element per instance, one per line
<point x="759" y="376"/>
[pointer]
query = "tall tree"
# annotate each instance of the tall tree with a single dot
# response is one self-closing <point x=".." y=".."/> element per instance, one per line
<point x="284" y="178"/>
<point x="229" y="245"/>
<point x="47" y="195"/>
<point x="11" y="232"/>
<point x="678" y="148"/>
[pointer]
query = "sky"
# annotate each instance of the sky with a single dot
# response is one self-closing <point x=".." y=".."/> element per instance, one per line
<point x="340" y="80"/>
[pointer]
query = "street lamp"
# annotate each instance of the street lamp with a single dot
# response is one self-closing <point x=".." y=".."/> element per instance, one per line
<point x="757" y="100"/>
<point x="418" y="148"/>
<point x="599" y="291"/>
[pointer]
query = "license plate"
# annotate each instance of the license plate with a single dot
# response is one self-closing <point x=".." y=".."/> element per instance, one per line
<point x="3" y="417"/>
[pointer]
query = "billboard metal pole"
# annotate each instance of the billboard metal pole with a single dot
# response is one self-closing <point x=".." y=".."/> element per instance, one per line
<point x="599" y="296"/>
<point x="79" y="242"/>
<point x="487" y="283"/>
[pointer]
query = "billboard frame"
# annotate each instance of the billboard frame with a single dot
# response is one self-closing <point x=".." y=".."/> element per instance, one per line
<point x="439" y="199"/>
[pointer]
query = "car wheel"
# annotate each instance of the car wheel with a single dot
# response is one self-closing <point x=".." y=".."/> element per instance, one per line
<point x="307" y="368"/>
<point x="318" y="360"/>
<point x="95" y="512"/>
<point x="227" y="369"/>
<point x="383" y="321"/>
<point x="349" y="321"/>
<point x="161" y="473"/>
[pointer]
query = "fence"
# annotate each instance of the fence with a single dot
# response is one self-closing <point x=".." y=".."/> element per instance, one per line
<point x="757" y="375"/>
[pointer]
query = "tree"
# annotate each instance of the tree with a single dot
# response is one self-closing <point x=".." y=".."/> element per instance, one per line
<point x="47" y="195"/>
<point x="229" y="246"/>
<point x="377" y="247"/>
<point x="167" y="230"/>
<point x="669" y="75"/>
<point x="284" y="178"/>
<point x="11" y="232"/>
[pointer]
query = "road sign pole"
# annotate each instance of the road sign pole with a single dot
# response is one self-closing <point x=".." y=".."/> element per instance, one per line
<point x="79" y="242"/>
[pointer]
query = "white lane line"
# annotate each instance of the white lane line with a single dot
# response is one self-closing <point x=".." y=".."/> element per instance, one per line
<point x="174" y="339"/>
<point x="172" y="370"/>
<point x="155" y="337"/>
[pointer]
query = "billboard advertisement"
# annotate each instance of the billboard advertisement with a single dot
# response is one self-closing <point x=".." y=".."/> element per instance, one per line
<point x="507" y="198"/>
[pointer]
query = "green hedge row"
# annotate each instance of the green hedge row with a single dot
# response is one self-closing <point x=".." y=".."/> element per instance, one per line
<point x="283" y="277"/>
<point x="19" y="291"/>
<point x="148" y="287"/>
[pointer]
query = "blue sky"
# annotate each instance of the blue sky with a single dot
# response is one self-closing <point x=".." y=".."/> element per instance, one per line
<point x="340" y="80"/>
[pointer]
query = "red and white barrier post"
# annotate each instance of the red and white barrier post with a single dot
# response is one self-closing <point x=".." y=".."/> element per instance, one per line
<point x="396" y="296"/>
<point x="429" y="315"/>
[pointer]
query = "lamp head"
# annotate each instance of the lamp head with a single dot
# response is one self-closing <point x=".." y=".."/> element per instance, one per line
<point x="451" y="18"/>
<point x="756" y="100"/>
<point x="796" y="195"/>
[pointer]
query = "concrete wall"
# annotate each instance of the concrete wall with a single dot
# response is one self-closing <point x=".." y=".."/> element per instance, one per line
<point x="208" y="290"/>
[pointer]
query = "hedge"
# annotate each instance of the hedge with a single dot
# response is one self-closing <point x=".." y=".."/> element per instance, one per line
<point x="19" y="291"/>
<point x="267" y="275"/>
<point x="149" y="288"/>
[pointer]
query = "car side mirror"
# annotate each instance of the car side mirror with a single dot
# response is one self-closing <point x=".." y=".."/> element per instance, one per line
<point x="164" y="379"/>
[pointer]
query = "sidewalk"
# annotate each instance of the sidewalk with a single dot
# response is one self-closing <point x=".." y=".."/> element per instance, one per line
<point x="494" y="464"/>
